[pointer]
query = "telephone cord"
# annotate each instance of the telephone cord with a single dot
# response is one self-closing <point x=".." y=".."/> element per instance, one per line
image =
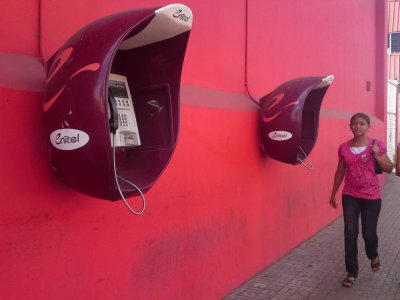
<point x="131" y="183"/>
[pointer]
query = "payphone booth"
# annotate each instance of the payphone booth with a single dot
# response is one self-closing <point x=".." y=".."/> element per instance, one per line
<point x="111" y="100"/>
<point x="289" y="119"/>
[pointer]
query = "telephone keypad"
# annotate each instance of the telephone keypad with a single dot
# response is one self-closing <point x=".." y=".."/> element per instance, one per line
<point x="123" y="117"/>
<point x="123" y="103"/>
<point x="123" y="120"/>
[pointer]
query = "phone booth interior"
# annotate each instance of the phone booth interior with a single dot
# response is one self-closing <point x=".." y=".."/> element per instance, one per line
<point x="111" y="101"/>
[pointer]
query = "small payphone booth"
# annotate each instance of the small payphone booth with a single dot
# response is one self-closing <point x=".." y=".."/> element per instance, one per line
<point x="111" y="101"/>
<point x="289" y="118"/>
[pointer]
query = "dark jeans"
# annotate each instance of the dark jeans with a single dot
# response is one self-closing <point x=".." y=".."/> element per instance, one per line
<point x="369" y="210"/>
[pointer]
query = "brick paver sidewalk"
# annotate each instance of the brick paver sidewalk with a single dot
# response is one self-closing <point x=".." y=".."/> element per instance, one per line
<point x="315" y="269"/>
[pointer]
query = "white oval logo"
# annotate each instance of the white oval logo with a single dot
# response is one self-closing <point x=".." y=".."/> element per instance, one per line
<point x="279" y="135"/>
<point x="68" y="139"/>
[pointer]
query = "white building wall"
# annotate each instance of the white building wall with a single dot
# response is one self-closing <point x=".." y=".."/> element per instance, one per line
<point x="391" y="119"/>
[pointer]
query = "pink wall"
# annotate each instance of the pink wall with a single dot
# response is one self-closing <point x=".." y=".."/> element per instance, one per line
<point x="19" y="27"/>
<point x="318" y="38"/>
<point x="221" y="211"/>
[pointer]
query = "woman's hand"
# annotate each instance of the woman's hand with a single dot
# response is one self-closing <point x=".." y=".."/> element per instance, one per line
<point x="333" y="202"/>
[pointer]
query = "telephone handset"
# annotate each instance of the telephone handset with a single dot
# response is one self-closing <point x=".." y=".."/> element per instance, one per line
<point x="113" y="112"/>
<point x="122" y="116"/>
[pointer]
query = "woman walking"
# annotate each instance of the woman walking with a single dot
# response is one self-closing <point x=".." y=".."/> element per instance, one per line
<point x="361" y="194"/>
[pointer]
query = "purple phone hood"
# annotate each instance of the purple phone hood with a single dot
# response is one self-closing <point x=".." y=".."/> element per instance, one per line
<point x="148" y="47"/>
<point x="290" y="116"/>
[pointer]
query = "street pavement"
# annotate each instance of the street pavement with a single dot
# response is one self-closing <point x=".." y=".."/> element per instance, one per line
<point x="315" y="269"/>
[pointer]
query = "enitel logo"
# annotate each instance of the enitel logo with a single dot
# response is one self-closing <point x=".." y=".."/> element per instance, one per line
<point x="280" y="135"/>
<point x="68" y="139"/>
<point x="179" y="14"/>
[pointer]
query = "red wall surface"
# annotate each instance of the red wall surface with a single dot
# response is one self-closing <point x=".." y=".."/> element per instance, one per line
<point x="221" y="211"/>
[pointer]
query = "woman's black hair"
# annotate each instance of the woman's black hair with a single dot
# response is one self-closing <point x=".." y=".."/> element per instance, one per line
<point x="362" y="116"/>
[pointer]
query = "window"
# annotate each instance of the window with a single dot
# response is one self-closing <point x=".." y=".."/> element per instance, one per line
<point x="394" y="42"/>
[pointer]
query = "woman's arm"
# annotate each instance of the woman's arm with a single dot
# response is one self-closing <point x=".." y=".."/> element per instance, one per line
<point x="398" y="159"/>
<point x="384" y="162"/>
<point x="339" y="175"/>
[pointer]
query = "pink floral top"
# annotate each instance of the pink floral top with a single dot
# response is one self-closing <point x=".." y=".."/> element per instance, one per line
<point x="360" y="178"/>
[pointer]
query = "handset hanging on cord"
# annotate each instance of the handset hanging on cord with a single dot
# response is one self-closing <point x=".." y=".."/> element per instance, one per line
<point x="123" y="128"/>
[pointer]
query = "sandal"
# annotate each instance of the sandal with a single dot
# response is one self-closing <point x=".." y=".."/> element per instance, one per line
<point x="348" y="281"/>
<point x="375" y="265"/>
